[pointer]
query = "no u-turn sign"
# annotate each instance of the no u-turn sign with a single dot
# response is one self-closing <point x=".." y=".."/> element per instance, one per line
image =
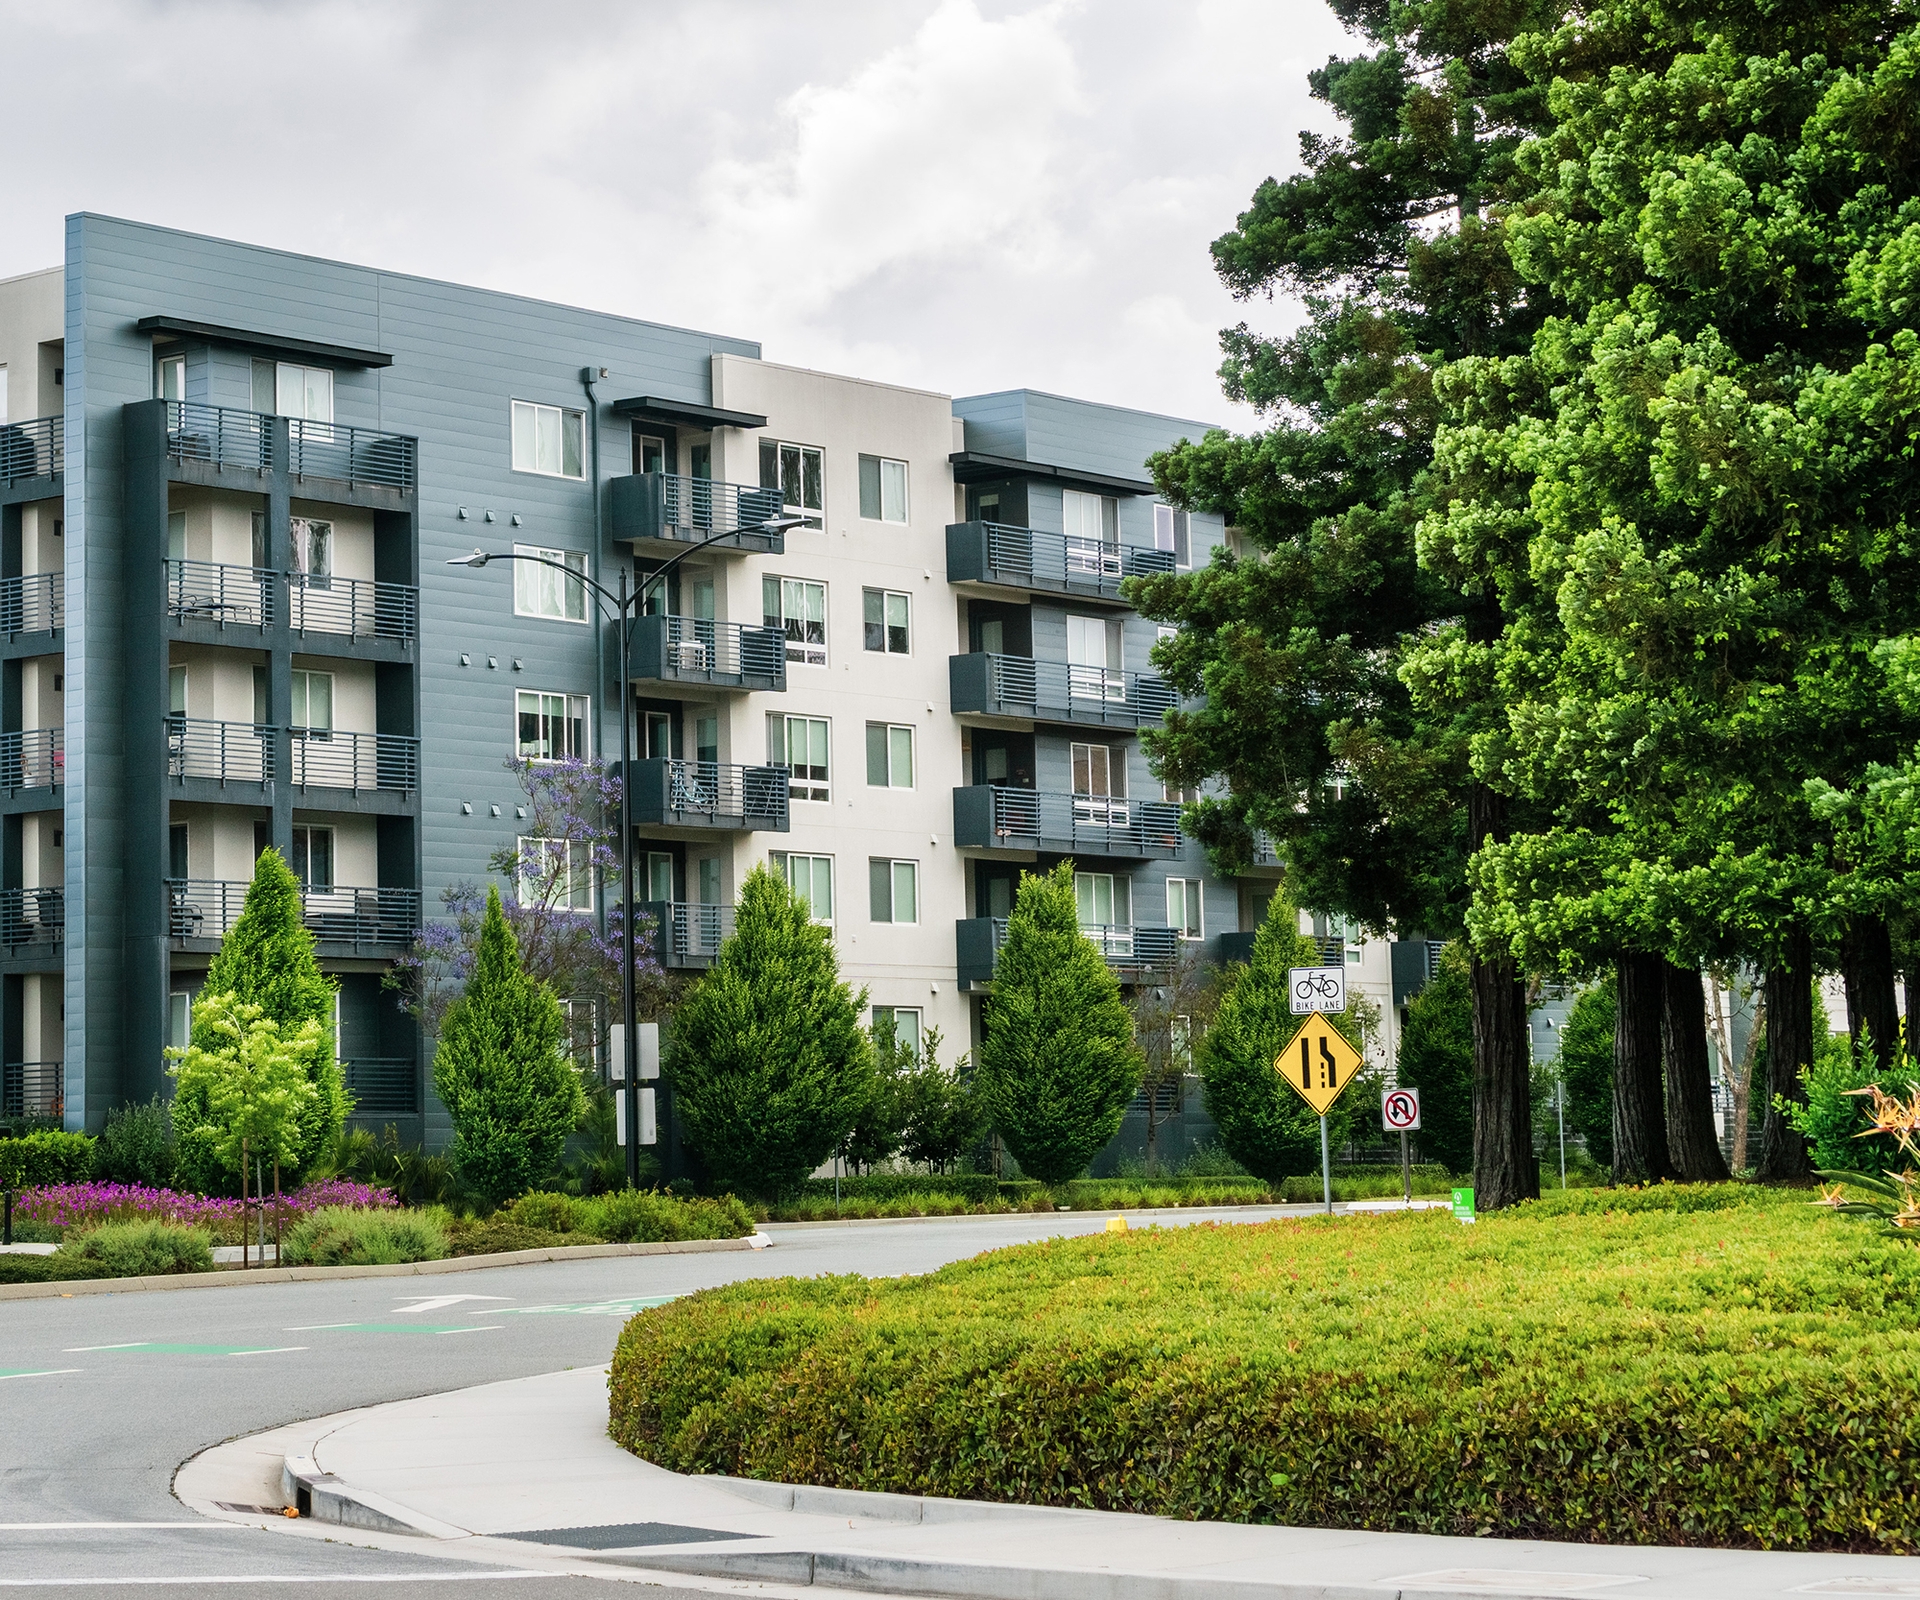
<point x="1400" y="1110"/>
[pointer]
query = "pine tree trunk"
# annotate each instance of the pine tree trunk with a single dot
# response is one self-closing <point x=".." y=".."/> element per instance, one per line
<point x="1866" y="964"/>
<point x="1783" y="1152"/>
<point x="1639" y="1113"/>
<point x="1504" y="1168"/>
<point x="1692" y="1144"/>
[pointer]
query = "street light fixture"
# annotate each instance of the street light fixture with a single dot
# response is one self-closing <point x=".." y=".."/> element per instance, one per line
<point x="623" y="610"/>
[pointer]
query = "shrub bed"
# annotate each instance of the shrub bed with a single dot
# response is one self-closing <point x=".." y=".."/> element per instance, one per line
<point x="627" y="1216"/>
<point x="1694" y="1367"/>
<point x="134" y="1250"/>
<point x="87" y="1205"/>
<point x="351" y="1236"/>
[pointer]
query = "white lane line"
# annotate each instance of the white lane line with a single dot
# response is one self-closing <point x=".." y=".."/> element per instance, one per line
<point x="315" y="1327"/>
<point x="272" y="1350"/>
<point x="51" y="1372"/>
<point x="82" y="1349"/>
<point x="272" y="1577"/>
<point x="445" y="1331"/>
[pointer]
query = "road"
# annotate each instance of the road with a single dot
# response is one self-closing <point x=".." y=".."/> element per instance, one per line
<point x="102" y="1397"/>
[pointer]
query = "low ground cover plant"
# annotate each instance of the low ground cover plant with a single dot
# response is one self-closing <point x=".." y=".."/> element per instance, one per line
<point x="1714" y="1366"/>
<point x="355" y="1236"/>
<point x="70" y="1206"/>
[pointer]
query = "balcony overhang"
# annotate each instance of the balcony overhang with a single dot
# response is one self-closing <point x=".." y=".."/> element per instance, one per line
<point x="267" y="343"/>
<point x="976" y="466"/>
<point x="684" y="413"/>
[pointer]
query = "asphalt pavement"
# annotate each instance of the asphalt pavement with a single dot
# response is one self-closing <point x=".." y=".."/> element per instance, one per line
<point x="102" y="1397"/>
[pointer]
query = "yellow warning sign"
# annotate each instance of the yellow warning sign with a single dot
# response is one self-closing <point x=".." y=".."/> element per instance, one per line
<point x="1318" y="1063"/>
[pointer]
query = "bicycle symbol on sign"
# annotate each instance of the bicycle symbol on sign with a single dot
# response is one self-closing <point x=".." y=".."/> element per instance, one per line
<point x="1319" y="987"/>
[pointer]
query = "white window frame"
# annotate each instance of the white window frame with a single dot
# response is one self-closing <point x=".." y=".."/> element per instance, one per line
<point x="310" y="829"/>
<point x="575" y="710"/>
<point x="803" y="788"/>
<point x="814" y="512"/>
<point x="1173" y="533"/>
<point x="893" y="872"/>
<point x="885" y="599"/>
<point x="1094" y="805"/>
<point x="310" y="551"/>
<point x="174" y="367"/>
<point x="892" y="1016"/>
<point x="890" y="754"/>
<point x="575" y="856"/>
<point x="819" y="869"/>
<point x="802" y="648"/>
<point x="1186" y="907"/>
<point x="525" y="421"/>
<point x="540" y="591"/>
<point x="889" y="485"/>
<point x="300" y="712"/>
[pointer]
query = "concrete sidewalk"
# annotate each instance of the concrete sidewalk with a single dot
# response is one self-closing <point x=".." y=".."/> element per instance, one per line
<point x="523" y="1474"/>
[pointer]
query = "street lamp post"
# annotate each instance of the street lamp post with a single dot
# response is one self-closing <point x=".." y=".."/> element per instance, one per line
<point x="624" y="607"/>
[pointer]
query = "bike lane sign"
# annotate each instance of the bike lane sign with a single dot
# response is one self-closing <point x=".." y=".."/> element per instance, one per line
<point x="1311" y="989"/>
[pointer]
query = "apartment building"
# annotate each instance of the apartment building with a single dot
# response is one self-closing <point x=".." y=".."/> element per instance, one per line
<point x="232" y="480"/>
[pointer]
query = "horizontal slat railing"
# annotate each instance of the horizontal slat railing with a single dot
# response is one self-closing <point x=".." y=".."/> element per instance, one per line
<point x="213" y="591"/>
<point x="351" y="606"/>
<point x="230" y="752"/>
<point x="703" y="649"/>
<point x="1021" y="555"/>
<point x="725" y="793"/>
<point x="207" y="908"/>
<point x="33" y="1088"/>
<point x="382" y="1086"/>
<point x="708" y="505"/>
<point x="333" y="759"/>
<point x="1085" y="693"/>
<point x="36" y="448"/>
<point x="220" y="435"/>
<point x="32" y="916"/>
<point x="35" y="759"/>
<point x="1083" y="821"/>
<point x="696" y="930"/>
<point x="357" y="455"/>
<point x="36" y="603"/>
<point x="1123" y="944"/>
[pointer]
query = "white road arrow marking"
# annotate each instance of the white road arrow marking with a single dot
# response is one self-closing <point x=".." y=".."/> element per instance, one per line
<point x="440" y="1302"/>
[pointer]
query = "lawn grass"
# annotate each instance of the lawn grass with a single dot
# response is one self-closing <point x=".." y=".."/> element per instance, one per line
<point x="1729" y="1366"/>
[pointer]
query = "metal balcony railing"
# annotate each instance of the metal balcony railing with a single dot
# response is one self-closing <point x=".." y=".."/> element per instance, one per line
<point x="212" y="591"/>
<point x="230" y="752"/>
<point x="35" y="759"/>
<point x="36" y="448"/>
<point x="352" y="606"/>
<point x="355" y="455"/>
<point x="665" y="505"/>
<point x="382" y="1086"/>
<point x="33" y="1088"/>
<point x="995" y="818"/>
<point x="36" y="603"/>
<point x="1058" y="691"/>
<point x="698" y="650"/>
<point x="207" y="908"/>
<point x="709" y="794"/>
<point x="329" y="758"/>
<point x="1055" y="563"/>
<point x="32" y="917"/>
<point x="1129" y="949"/>
<point x="220" y="435"/>
<point x="687" y="934"/>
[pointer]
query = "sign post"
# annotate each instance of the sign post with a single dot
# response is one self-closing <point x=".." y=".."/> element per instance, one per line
<point x="1400" y="1112"/>
<point x="1318" y="1063"/>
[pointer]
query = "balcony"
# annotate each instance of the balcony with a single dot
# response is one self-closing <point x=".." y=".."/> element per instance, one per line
<point x="686" y="936"/>
<point x="223" y="436"/>
<point x="990" y="818"/>
<point x="709" y="795"/>
<point x="363" y="918"/>
<point x="32" y="452"/>
<point x="692" y="652"/>
<point x="1033" y="561"/>
<point x="667" y="508"/>
<point x="251" y="597"/>
<point x="36" y="759"/>
<point x="1239" y="947"/>
<point x="383" y="1086"/>
<point x="219" y="752"/>
<point x="33" y="1088"/>
<point x="36" y="603"/>
<point x="1053" y="691"/>
<point x="211" y="591"/>
<point x="328" y="758"/>
<point x="1132" y="951"/>
<point x="32" y="917"/>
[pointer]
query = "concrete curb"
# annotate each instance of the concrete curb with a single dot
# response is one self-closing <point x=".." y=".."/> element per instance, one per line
<point x="69" y="1288"/>
<point x="325" y="1498"/>
<point x="1283" y="1210"/>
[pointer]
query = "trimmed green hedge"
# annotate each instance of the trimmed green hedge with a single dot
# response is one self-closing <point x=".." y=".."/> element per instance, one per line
<point x="974" y="1187"/>
<point x="45" y="1157"/>
<point x="1723" y="1367"/>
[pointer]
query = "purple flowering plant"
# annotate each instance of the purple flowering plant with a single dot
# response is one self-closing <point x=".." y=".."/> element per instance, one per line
<point x="87" y="1205"/>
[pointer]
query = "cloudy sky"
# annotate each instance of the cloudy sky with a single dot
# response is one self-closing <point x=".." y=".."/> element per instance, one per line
<point x="959" y="194"/>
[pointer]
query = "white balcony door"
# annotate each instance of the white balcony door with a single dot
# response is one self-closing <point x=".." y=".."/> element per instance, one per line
<point x="1093" y="659"/>
<point x="1098" y="799"/>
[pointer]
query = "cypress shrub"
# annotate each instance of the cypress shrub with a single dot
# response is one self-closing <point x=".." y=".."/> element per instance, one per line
<point x="1436" y="1057"/>
<point x="1263" y="1124"/>
<point x="500" y="1070"/>
<point x="1057" y="1063"/>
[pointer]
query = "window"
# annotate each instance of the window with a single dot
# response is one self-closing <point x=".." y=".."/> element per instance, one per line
<point x="581" y="1019"/>
<point x="793" y="469"/>
<point x="1183" y="907"/>
<point x="649" y="453"/>
<point x="1099" y="786"/>
<point x="312" y="716"/>
<point x="549" y="440"/>
<point x="1094" y="653"/>
<point x="883" y="489"/>
<point x="551" y="727"/>
<point x="1349" y="933"/>
<point x="176" y="536"/>
<point x="889" y="756"/>
<point x="801" y="747"/>
<point x="170" y="379"/>
<point x="811" y="878"/>
<point x="1173" y="532"/>
<point x="659" y="875"/>
<point x="179" y="1018"/>
<point x="312" y="551"/>
<point x="286" y="389"/>
<point x="893" y="891"/>
<point x="543" y="591"/>
<point x="902" y="1022"/>
<point x="312" y="861"/>
<point x="886" y="613"/>
<point x="709" y="870"/>
<point x="799" y="609"/>
<point x="179" y="855"/>
<point x="177" y="690"/>
<point x="706" y="739"/>
<point x="556" y="873"/>
<point x="1179" y="794"/>
<point x="1180" y="1042"/>
<point x="1103" y="900"/>
<point x="1090" y="518"/>
<point x="656" y="741"/>
<point x="259" y="551"/>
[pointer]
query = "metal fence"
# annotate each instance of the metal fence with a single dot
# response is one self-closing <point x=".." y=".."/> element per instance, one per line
<point x="232" y="752"/>
<point x="207" y="908"/>
<point x="356" y="455"/>
<point x="329" y="758"/>
<point x="212" y="591"/>
<point x="707" y="505"/>
<point x="36" y="448"/>
<point x="32" y="917"/>
<point x="1078" y="693"/>
<point x="33" y="1088"/>
<point x="352" y="606"/>
<point x="35" y="759"/>
<point x="36" y="603"/>
<point x="1066" y="561"/>
<point x="1100" y="824"/>
<point x="382" y="1085"/>
<point x="219" y="435"/>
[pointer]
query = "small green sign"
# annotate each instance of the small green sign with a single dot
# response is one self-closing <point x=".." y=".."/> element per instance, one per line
<point x="1463" y="1205"/>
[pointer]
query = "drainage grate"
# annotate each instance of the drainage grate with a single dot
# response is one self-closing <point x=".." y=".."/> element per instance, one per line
<point x="251" y="1511"/>
<point x="625" y="1535"/>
